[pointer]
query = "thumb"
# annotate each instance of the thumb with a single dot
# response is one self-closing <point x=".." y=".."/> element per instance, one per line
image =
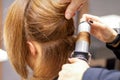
<point x="74" y="60"/>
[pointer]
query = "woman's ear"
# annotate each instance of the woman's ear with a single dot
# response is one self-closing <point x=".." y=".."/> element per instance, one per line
<point x="32" y="48"/>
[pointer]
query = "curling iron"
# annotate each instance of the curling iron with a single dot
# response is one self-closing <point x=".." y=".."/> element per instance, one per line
<point x="83" y="42"/>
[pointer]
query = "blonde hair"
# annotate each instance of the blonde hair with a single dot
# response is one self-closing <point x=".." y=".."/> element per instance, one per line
<point x="41" y="21"/>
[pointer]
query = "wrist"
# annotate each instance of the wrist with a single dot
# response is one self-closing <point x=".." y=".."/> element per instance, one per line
<point x="111" y="37"/>
<point x="115" y="42"/>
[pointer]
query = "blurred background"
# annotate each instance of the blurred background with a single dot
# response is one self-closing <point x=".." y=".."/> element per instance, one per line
<point x="108" y="10"/>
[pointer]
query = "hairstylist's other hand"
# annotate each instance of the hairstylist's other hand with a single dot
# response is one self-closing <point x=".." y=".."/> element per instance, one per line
<point x="99" y="29"/>
<point x="72" y="7"/>
<point x="74" y="70"/>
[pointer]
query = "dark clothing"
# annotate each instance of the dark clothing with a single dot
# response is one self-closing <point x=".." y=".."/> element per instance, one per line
<point x="101" y="73"/>
<point x="116" y="50"/>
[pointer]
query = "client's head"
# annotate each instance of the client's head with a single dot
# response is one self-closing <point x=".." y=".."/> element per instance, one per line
<point x="37" y="35"/>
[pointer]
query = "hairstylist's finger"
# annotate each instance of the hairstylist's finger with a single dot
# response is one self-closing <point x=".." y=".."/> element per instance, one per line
<point x="71" y="9"/>
<point x="87" y="17"/>
<point x="97" y="25"/>
<point x="99" y="30"/>
<point x="73" y="60"/>
<point x="83" y="18"/>
<point x="80" y="7"/>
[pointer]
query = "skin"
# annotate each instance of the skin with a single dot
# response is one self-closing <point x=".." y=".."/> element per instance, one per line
<point x="76" y="68"/>
<point x="99" y="29"/>
<point x="75" y="5"/>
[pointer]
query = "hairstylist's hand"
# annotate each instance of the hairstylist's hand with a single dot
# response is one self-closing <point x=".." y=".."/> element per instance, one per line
<point x="99" y="29"/>
<point x="72" y="7"/>
<point x="73" y="71"/>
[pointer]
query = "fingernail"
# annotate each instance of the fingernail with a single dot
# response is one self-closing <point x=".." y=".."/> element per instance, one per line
<point x="68" y="16"/>
<point x="91" y="22"/>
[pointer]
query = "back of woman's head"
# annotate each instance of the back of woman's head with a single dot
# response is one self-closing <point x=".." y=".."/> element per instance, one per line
<point x="41" y="21"/>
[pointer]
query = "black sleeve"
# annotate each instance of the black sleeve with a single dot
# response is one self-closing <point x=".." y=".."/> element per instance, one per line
<point x="116" y="50"/>
<point x="101" y="74"/>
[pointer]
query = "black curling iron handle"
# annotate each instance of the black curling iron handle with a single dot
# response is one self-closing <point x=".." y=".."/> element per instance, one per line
<point x="81" y="55"/>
